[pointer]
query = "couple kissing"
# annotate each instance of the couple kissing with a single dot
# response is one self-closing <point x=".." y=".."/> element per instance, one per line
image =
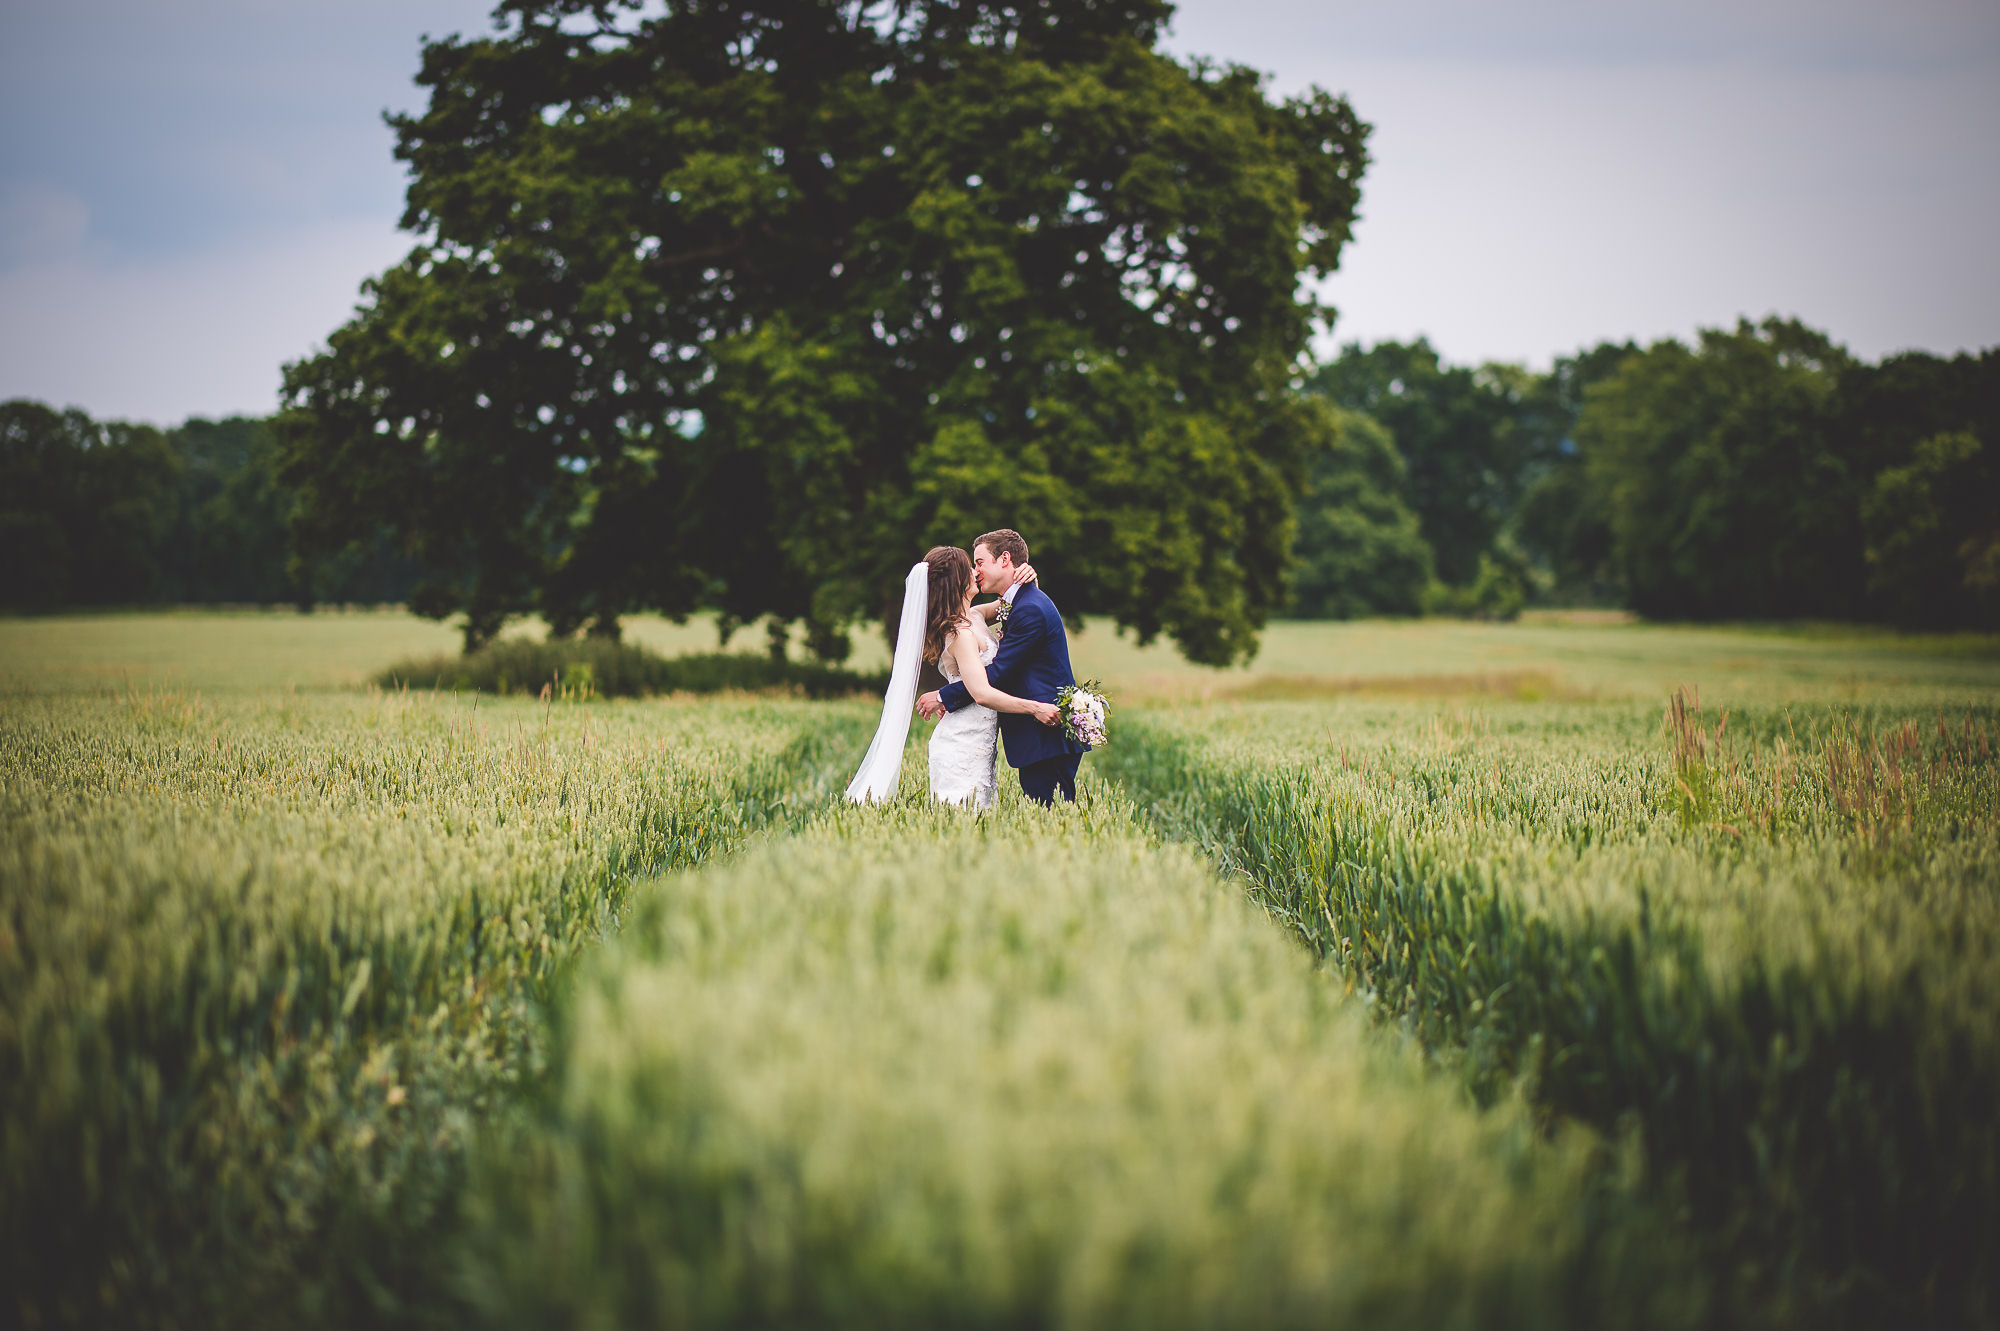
<point x="1004" y="663"/>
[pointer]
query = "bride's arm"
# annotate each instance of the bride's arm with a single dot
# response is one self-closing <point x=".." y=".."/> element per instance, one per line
<point x="964" y="649"/>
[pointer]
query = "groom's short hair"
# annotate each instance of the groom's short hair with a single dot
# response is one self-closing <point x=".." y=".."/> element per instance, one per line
<point x="1007" y="542"/>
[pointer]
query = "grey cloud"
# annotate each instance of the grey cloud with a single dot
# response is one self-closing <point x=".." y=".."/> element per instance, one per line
<point x="1517" y="212"/>
<point x="1547" y="172"/>
<point x="39" y="224"/>
<point x="1917" y="36"/>
<point x="209" y="123"/>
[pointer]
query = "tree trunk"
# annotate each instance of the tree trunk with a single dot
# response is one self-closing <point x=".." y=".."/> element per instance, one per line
<point x="482" y="627"/>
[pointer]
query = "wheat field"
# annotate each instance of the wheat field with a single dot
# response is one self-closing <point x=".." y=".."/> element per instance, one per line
<point x="1424" y="975"/>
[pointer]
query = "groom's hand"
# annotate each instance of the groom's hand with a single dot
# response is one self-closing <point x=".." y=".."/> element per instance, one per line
<point x="930" y="706"/>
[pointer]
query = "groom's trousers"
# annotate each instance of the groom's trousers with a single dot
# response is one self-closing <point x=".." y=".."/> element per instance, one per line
<point x="1040" y="781"/>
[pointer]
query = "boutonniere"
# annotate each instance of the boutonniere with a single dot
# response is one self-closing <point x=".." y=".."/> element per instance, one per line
<point x="1000" y="619"/>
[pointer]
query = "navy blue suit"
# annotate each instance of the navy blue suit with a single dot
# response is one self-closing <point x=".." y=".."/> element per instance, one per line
<point x="1033" y="663"/>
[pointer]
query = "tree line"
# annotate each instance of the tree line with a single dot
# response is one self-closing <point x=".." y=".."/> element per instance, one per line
<point x="96" y="513"/>
<point x="1761" y="472"/>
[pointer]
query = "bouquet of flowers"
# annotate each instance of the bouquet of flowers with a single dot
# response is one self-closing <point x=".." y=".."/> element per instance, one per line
<point x="1084" y="708"/>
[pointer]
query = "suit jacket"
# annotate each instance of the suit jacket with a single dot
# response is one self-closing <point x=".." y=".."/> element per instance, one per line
<point x="1033" y="663"/>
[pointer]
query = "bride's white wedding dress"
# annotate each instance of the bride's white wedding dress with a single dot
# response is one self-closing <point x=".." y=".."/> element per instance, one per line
<point x="965" y="747"/>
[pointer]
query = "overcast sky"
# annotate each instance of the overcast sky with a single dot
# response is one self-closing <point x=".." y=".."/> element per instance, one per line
<point x="192" y="190"/>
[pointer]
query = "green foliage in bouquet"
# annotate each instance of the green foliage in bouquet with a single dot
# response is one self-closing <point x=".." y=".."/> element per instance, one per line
<point x="1086" y="713"/>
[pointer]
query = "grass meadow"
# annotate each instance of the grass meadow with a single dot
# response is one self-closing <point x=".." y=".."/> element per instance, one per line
<point x="1421" y="974"/>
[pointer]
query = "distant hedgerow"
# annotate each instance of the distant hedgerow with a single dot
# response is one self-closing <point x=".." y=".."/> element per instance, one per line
<point x="596" y="667"/>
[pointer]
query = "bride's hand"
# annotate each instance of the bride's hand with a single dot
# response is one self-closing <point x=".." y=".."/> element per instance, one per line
<point x="1025" y="573"/>
<point x="1047" y="713"/>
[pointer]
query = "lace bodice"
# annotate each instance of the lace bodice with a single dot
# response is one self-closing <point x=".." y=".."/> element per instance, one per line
<point x="989" y="647"/>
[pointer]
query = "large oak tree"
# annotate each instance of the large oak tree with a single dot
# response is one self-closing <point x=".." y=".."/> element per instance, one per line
<point x="742" y="305"/>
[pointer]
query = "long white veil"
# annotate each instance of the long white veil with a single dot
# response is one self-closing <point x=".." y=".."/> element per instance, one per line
<point x="883" y="765"/>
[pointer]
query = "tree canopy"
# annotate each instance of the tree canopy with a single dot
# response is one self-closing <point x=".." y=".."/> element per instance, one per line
<point x="1766" y="473"/>
<point x="83" y="506"/>
<point x="1466" y="436"/>
<point x="1760" y="472"/>
<point x="106" y="513"/>
<point x="1928" y="428"/>
<point x="1360" y="550"/>
<point x="1725" y="499"/>
<point x="1560" y="520"/>
<point x="743" y="305"/>
<point x="1487" y="464"/>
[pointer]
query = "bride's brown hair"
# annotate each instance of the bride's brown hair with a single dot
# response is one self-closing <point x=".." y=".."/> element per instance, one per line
<point x="951" y="588"/>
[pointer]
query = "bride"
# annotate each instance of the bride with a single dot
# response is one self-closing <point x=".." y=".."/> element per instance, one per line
<point x="940" y="623"/>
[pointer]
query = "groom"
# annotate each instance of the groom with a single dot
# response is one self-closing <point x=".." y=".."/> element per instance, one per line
<point x="1033" y="663"/>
